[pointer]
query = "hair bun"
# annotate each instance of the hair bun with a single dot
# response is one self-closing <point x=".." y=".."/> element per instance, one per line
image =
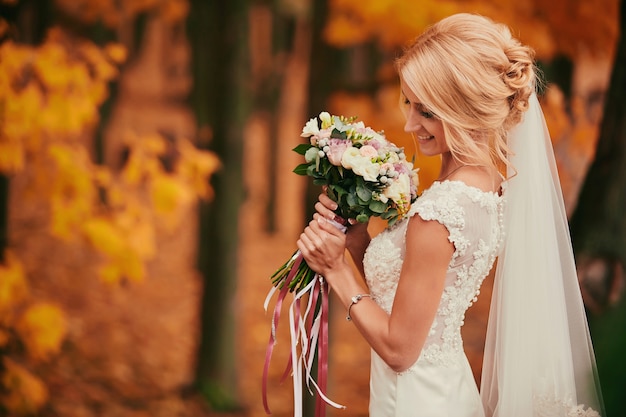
<point x="519" y="77"/>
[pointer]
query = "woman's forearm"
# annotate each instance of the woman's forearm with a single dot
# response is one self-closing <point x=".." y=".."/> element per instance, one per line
<point x="357" y="252"/>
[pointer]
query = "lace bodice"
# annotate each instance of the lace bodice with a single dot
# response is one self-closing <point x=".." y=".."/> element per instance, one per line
<point x="474" y="221"/>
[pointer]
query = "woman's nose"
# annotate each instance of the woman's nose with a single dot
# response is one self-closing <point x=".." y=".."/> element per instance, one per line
<point x="413" y="122"/>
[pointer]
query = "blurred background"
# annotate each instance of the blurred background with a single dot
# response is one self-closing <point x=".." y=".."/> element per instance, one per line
<point x="146" y="192"/>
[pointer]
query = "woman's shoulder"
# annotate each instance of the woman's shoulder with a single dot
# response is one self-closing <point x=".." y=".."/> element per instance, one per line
<point x="451" y="198"/>
<point x="453" y="188"/>
<point x="484" y="179"/>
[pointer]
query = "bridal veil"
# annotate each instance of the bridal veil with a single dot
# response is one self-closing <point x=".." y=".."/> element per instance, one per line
<point x="539" y="359"/>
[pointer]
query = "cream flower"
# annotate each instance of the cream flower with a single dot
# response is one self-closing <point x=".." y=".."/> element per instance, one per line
<point x="399" y="190"/>
<point x="310" y="128"/>
<point x="327" y="121"/>
<point x="368" y="170"/>
<point x="350" y="158"/>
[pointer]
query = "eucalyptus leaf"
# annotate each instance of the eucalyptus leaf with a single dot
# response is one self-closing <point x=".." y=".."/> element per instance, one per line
<point x="362" y="218"/>
<point x="352" y="200"/>
<point x="377" y="206"/>
<point x="363" y="192"/>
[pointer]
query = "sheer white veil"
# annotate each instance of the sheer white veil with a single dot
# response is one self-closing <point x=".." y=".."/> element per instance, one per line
<point x="539" y="359"/>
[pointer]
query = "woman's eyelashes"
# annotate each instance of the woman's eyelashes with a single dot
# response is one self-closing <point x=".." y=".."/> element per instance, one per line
<point x="427" y="114"/>
<point x="419" y="107"/>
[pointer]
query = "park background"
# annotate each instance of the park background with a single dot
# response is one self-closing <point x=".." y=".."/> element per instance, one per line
<point x="146" y="193"/>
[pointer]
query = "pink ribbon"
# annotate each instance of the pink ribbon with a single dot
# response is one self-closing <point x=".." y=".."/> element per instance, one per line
<point x="322" y="354"/>
<point x="275" y="317"/>
<point x="307" y="332"/>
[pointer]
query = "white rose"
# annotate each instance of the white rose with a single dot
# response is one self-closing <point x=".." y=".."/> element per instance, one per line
<point x="349" y="157"/>
<point x="352" y="159"/>
<point x="367" y="170"/>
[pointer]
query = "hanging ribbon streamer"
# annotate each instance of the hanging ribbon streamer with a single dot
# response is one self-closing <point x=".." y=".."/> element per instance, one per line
<point x="308" y="337"/>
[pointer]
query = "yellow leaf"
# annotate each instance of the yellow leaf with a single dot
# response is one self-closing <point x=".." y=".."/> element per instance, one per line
<point x="110" y="273"/>
<point x="168" y="194"/>
<point x="11" y="156"/>
<point x="132" y="266"/>
<point x="104" y="236"/>
<point x="23" y="393"/>
<point x="22" y="112"/>
<point x="42" y="329"/>
<point x="153" y="144"/>
<point x="102" y="176"/>
<point x="140" y="232"/>
<point x="50" y="59"/>
<point x="196" y="167"/>
<point x="13" y="285"/>
<point x="116" y="52"/>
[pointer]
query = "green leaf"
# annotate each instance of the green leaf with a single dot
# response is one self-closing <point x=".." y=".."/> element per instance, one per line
<point x="389" y="214"/>
<point x="363" y="192"/>
<point x="301" y="169"/>
<point x="302" y="148"/>
<point x="362" y="218"/>
<point x="352" y="200"/>
<point x="339" y="190"/>
<point x="377" y="206"/>
<point x="337" y="134"/>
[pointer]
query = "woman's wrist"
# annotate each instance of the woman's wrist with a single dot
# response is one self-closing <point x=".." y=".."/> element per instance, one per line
<point x="344" y="283"/>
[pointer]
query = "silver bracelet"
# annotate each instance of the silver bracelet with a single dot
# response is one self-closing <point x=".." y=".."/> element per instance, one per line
<point x="355" y="300"/>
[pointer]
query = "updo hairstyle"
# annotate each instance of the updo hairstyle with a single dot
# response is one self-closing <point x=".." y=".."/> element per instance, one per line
<point x="476" y="78"/>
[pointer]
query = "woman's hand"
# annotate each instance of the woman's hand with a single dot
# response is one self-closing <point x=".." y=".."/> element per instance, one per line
<point x="356" y="232"/>
<point x="323" y="245"/>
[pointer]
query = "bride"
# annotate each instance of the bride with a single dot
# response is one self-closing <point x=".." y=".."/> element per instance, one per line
<point x="468" y="94"/>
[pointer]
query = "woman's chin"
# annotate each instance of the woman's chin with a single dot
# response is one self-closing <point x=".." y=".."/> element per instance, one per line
<point x="427" y="149"/>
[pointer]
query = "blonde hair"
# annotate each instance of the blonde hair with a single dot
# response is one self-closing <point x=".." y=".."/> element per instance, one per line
<point x="474" y="76"/>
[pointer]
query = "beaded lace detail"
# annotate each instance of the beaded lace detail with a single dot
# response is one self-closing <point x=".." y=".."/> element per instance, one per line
<point x="549" y="406"/>
<point x="473" y="219"/>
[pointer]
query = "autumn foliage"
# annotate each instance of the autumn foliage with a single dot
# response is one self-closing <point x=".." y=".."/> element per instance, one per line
<point x="50" y="96"/>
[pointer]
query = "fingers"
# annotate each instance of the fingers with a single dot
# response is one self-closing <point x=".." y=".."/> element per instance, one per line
<point x="316" y="236"/>
<point x="313" y="239"/>
<point x="329" y="226"/>
<point x="325" y="206"/>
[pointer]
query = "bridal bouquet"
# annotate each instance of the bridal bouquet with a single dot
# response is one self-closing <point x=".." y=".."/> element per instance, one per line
<point x="366" y="175"/>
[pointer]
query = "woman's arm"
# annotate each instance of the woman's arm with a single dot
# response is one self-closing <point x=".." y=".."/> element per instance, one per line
<point x="397" y="338"/>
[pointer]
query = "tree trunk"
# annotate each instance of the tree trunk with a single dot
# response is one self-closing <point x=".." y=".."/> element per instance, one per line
<point x="217" y="32"/>
<point x="598" y="224"/>
<point x="598" y="228"/>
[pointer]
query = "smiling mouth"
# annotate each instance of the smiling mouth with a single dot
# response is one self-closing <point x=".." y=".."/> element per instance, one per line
<point x="425" y="137"/>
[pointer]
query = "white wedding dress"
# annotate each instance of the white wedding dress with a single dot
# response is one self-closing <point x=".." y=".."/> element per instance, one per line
<point x="440" y="383"/>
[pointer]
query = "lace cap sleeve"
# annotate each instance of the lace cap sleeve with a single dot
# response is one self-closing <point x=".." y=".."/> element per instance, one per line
<point x="441" y="203"/>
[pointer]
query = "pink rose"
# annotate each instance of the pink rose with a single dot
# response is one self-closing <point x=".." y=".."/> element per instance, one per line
<point x="368" y="151"/>
<point x="337" y="148"/>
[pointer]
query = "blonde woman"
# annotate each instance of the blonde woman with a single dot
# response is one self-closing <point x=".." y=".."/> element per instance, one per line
<point x="468" y="96"/>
